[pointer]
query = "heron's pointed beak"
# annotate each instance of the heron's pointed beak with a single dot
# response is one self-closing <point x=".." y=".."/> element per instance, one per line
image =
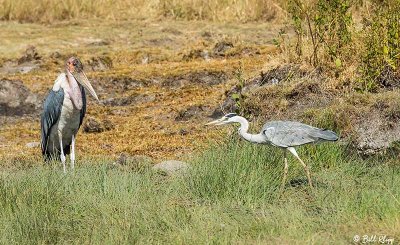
<point x="83" y="80"/>
<point x="217" y="122"/>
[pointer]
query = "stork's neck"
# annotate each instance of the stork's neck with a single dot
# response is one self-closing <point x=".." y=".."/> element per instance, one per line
<point x="244" y="127"/>
<point x="74" y="91"/>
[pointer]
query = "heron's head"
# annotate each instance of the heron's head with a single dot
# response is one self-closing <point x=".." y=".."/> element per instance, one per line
<point x="227" y="119"/>
<point x="75" y="68"/>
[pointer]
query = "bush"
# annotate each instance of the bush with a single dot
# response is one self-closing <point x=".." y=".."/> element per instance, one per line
<point x="381" y="57"/>
<point x="327" y="24"/>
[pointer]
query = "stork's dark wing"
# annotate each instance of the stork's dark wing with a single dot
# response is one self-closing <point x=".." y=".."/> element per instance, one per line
<point x="51" y="113"/>
<point x="83" y="110"/>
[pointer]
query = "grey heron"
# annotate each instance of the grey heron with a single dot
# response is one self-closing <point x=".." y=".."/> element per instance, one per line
<point x="283" y="134"/>
<point x="63" y="112"/>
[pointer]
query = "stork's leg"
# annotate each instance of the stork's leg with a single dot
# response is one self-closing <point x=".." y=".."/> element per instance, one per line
<point x="293" y="151"/>
<point x="62" y="156"/>
<point x="285" y="171"/>
<point x="73" y="152"/>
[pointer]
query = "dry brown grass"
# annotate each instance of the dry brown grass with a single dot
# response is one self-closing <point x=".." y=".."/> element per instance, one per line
<point x="147" y="128"/>
<point x="216" y="10"/>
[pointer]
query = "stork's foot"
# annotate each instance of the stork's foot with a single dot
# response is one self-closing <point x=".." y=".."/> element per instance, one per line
<point x="72" y="161"/>
<point x="63" y="159"/>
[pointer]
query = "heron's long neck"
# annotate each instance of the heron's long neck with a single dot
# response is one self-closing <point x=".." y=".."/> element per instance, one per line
<point x="74" y="91"/>
<point x="244" y="127"/>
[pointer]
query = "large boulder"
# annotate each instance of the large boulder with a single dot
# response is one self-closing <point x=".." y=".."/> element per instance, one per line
<point x="16" y="99"/>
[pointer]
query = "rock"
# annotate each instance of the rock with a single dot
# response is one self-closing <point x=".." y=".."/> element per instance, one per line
<point x="93" y="125"/>
<point x="220" y="48"/>
<point x="171" y="167"/>
<point x="100" y="63"/>
<point x="29" y="55"/>
<point x="374" y="135"/>
<point x="16" y="99"/>
<point x="29" y="61"/>
<point x="32" y="144"/>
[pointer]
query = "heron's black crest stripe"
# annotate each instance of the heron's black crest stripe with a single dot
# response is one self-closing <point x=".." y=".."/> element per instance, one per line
<point x="229" y="115"/>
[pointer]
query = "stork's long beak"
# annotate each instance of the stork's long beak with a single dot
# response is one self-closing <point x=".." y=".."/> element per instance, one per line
<point x="83" y="80"/>
<point x="217" y="122"/>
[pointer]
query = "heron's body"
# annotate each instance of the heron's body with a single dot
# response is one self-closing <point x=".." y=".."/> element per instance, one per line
<point x="290" y="134"/>
<point x="283" y="134"/>
<point x="63" y="112"/>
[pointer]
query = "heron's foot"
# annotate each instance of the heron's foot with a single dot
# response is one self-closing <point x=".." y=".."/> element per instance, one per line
<point x="311" y="184"/>
<point x="307" y="170"/>
<point x="285" y="172"/>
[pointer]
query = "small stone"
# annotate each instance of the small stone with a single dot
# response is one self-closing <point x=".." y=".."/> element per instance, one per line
<point x="33" y="144"/>
<point x="171" y="167"/>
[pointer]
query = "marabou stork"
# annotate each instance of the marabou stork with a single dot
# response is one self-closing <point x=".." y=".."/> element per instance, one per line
<point x="63" y="112"/>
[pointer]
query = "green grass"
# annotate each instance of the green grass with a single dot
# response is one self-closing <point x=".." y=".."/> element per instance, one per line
<point x="229" y="196"/>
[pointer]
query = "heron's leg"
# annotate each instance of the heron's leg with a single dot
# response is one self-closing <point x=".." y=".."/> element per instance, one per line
<point x="285" y="171"/>
<point x="73" y="152"/>
<point x="293" y="151"/>
<point x="62" y="156"/>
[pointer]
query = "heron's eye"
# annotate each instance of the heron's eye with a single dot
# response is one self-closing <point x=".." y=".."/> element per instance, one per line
<point x="75" y="63"/>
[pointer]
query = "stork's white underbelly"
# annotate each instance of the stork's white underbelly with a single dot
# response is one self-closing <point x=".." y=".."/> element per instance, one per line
<point x="67" y="125"/>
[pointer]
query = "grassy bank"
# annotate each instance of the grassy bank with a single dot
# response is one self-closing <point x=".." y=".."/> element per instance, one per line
<point x="231" y="195"/>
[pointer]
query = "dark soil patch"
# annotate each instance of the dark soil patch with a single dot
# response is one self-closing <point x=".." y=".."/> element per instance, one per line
<point x="118" y="84"/>
<point x="101" y="63"/>
<point x="221" y="48"/>
<point x="129" y="100"/>
<point x="93" y="125"/>
<point x="29" y="61"/>
<point x="190" y="112"/>
<point x="203" y="78"/>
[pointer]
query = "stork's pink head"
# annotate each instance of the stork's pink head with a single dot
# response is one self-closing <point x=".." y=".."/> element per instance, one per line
<point x="75" y="67"/>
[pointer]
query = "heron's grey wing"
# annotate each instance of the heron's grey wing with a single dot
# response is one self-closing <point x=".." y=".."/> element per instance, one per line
<point x="287" y="133"/>
<point x="83" y="110"/>
<point x="51" y="113"/>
